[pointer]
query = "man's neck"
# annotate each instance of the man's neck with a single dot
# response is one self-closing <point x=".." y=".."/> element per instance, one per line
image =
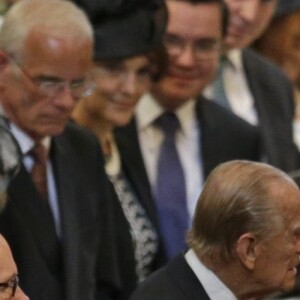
<point x="235" y="277"/>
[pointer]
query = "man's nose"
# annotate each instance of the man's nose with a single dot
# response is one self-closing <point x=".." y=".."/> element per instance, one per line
<point x="250" y="9"/>
<point x="130" y="83"/>
<point x="187" y="57"/>
<point x="65" y="99"/>
<point x="20" y="295"/>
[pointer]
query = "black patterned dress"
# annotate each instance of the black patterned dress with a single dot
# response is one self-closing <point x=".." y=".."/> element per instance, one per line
<point x="144" y="238"/>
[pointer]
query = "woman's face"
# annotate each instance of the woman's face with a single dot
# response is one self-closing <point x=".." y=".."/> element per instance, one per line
<point x="119" y="86"/>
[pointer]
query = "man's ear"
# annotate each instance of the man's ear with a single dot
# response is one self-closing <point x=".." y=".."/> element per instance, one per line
<point x="246" y="249"/>
<point x="4" y="63"/>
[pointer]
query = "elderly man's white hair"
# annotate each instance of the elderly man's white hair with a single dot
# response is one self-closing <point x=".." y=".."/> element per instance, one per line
<point x="56" y="17"/>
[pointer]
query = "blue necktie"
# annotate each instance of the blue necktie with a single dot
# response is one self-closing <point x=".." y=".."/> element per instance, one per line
<point x="170" y="192"/>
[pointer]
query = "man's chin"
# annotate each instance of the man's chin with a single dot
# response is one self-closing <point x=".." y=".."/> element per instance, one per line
<point x="235" y="43"/>
<point x="289" y="285"/>
<point x="52" y="130"/>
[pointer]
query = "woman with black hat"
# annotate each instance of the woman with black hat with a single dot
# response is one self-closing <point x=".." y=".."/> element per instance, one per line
<point x="128" y="56"/>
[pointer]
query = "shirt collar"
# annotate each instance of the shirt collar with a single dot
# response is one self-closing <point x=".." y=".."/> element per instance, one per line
<point x="25" y="141"/>
<point x="148" y="110"/>
<point x="235" y="58"/>
<point x="213" y="286"/>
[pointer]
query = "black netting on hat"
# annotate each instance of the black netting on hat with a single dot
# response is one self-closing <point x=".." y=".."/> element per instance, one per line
<point x="99" y="8"/>
<point x="125" y="28"/>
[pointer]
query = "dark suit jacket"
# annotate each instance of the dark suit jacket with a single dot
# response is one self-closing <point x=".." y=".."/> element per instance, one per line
<point x="176" y="281"/>
<point x="50" y="268"/>
<point x="224" y="137"/>
<point x="273" y="96"/>
<point x="124" y="260"/>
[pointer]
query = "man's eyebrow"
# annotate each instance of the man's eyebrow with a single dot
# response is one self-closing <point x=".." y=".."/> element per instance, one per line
<point x="55" y="79"/>
<point x="9" y="278"/>
<point x="47" y="78"/>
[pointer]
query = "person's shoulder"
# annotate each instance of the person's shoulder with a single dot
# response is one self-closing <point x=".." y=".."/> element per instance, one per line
<point x="78" y="139"/>
<point x="153" y="287"/>
<point x="273" y="84"/>
<point x="76" y="132"/>
<point x="165" y="283"/>
<point x="214" y="114"/>
<point x="265" y="67"/>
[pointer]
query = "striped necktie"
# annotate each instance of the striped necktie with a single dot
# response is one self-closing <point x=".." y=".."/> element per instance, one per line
<point x="39" y="169"/>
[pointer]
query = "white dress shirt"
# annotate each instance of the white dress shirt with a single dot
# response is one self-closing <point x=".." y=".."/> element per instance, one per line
<point x="187" y="143"/>
<point x="213" y="286"/>
<point x="26" y="144"/>
<point x="237" y="89"/>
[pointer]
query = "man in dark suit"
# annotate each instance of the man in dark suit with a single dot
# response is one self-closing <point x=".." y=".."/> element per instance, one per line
<point x="245" y="212"/>
<point x="55" y="217"/>
<point x="206" y="135"/>
<point x="253" y="88"/>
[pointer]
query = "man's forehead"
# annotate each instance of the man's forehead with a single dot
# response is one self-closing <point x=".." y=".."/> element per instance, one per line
<point x="39" y="38"/>
<point x="199" y="18"/>
<point x="53" y="52"/>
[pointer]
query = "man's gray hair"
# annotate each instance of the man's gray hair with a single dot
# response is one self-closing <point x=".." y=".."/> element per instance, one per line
<point x="56" y="17"/>
<point x="238" y="197"/>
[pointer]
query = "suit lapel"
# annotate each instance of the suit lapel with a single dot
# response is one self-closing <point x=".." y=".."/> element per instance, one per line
<point x="185" y="280"/>
<point x="133" y="164"/>
<point x="64" y="174"/>
<point x="275" y="125"/>
<point x="37" y="216"/>
<point x="212" y="148"/>
<point x="263" y="106"/>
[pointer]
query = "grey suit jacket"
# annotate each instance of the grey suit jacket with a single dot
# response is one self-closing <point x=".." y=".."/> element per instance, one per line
<point x="176" y="281"/>
<point x="273" y="96"/>
<point x="49" y="267"/>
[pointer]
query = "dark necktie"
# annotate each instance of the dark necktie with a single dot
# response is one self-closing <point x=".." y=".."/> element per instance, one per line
<point x="218" y="85"/>
<point x="51" y="244"/>
<point x="170" y="192"/>
<point x="39" y="169"/>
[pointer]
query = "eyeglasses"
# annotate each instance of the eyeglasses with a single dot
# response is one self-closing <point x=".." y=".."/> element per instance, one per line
<point x="202" y="49"/>
<point x="52" y="87"/>
<point x="8" y="289"/>
<point x="119" y="73"/>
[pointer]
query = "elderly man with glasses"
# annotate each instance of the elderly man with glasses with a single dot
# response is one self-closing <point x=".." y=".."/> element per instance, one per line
<point x="57" y="204"/>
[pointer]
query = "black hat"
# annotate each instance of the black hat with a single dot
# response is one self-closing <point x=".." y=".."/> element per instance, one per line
<point x="286" y="7"/>
<point x="125" y="28"/>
